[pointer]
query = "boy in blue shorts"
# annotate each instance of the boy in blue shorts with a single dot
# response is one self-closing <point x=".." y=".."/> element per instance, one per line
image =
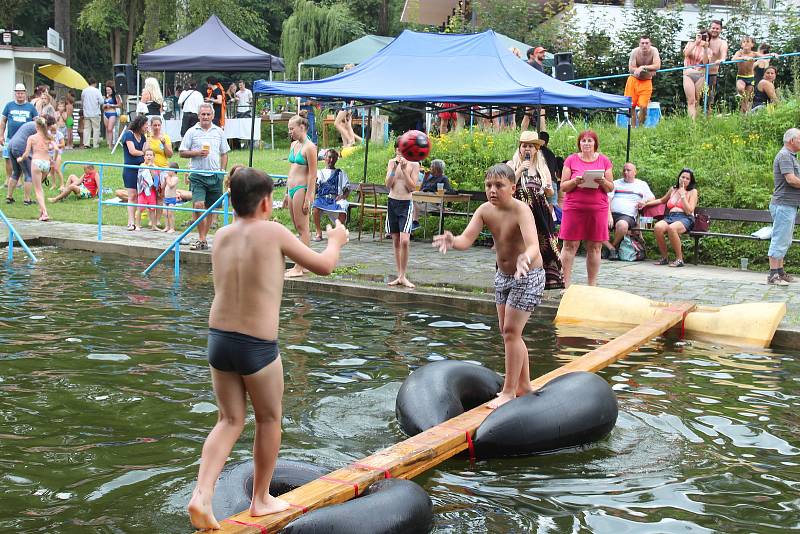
<point x="248" y="261"/>
<point x="519" y="281"/>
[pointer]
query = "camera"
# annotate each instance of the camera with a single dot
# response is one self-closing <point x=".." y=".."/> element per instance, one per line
<point x="704" y="36"/>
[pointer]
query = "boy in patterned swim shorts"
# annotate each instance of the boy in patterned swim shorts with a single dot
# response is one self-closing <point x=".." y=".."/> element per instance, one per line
<point x="519" y="281"/>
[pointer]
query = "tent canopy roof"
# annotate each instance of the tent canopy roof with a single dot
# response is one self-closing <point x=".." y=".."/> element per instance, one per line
<point x="355" y="52"/>
<point x="430" y="67"/>
<point x="211" y="47"/>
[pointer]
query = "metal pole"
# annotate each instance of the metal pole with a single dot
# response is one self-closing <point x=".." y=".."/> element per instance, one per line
<point x="271" y="124"/>
<point x="366" y="151"/>
<point x="705" y="94"/>
<point x="628" y="145"/>
<point x="177" y="267"/>
<point x="225" y="210"/>
<point x="100" y="205"/>
<point x="10" y="244"/>
<point x="252" y="130"/>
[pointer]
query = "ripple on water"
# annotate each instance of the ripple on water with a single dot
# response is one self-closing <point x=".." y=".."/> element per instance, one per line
<point x="108" y="357"/>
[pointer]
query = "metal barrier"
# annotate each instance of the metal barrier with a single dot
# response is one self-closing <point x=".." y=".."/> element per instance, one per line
<point x="224" y="200"/>
<point x="101" y="202"/>
<point x="586" y="81"/>
<point x="13" y="234"/>
<point x="176" y="245"/>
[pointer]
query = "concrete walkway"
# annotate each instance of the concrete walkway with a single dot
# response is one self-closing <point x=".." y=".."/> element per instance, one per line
<point x="371" y="262"/>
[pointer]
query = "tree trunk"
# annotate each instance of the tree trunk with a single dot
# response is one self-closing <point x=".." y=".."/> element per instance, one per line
<point x="116" y="45"/>
<point x="383" y="18"/>
<point x="63" y="25"/>
<point x="152" y="24"/>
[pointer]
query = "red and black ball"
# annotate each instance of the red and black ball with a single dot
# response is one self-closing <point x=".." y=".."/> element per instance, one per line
<point x="414" y="145"/>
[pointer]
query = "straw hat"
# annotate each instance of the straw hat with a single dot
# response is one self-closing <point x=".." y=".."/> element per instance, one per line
<point x="530" y="137"/>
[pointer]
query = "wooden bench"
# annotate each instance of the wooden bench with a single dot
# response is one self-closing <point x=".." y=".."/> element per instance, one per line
<point x="731" y="215"/>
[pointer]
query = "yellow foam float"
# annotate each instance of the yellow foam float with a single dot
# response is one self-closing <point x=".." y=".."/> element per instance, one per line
<point x="347" y="151"/>
<point x="750" y="324"/>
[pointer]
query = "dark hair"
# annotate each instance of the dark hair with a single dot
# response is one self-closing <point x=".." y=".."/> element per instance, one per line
<point x="332" y="151"/>
<point x="530" y="52"/>
<point x="503" y="171"/>
<point x="137" y="123"/>
<point x="147" y="149"/>
<point x="544" y="136"/>
<point x="771" y="67"/>
<point x="211" y="80"/>
<point x="191" y="84"/>
<point x="644" y="36"/>
<point x="692" y="181"/>
<point x="174" y="165"/>
<point x="92" y="81"/>
<point x="716" y="21"/>
<point x="764" y="47"/>
<point x="249" y="186"/>
<point x="592" y="135"/>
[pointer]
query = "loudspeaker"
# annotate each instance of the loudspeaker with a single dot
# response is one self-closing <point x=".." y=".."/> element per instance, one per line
<point x="124" y="79"/>
<point x="562" y="62"/>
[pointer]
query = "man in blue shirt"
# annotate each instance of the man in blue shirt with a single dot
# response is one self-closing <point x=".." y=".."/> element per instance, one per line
<point x="15" y="114"/>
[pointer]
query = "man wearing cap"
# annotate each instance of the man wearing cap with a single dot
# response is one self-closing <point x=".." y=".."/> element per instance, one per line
<point x="535" y="60"/>
<point x="643" y="64"/>
<point x="15" y="114"/>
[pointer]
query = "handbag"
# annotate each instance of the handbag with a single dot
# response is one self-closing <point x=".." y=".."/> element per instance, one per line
<point x="656" y="212"/>
<point x="701" y="222"/>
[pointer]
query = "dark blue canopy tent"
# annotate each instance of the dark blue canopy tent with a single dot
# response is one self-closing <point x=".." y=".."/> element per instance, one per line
<point x="211" y="47"/>
<point x="457" y="68"/>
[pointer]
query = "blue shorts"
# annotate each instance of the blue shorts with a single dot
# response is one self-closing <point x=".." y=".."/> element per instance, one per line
<point x="170" y="201"/>
<point x="678" y="216"/>
<point x="783" y="219"/>
<point x="6" y="153"/>
<point x="20" y="170"/>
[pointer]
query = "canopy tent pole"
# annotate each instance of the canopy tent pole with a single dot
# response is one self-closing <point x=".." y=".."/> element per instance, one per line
<point x="271" y="124"/>
<point x="628" y="145"/>
<point x="366" y="149"/>
<point x="253" y="128"/>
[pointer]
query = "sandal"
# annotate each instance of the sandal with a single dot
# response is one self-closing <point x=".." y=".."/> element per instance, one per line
<point x="676" y="263"/>
<point x="662" y="261"/>
<point x="316" y="238"/>
<point x="131" y="227"/>
<point x="28" y="202"/>
<point x="199" y="245"/>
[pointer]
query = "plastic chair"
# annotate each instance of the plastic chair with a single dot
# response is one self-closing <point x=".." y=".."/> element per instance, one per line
<point x="368" y="206"/>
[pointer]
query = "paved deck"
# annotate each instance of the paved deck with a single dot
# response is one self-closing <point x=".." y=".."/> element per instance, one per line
<point x="371" y="262"/>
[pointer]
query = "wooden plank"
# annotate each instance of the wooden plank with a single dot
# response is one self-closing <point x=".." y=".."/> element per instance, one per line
<point x="419" y="453"/>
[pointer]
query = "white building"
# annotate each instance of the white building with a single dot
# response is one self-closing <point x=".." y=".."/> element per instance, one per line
<point x="18" y="64"/>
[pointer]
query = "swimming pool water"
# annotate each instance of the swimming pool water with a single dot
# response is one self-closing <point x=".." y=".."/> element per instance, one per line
<point x="105" y="402"/>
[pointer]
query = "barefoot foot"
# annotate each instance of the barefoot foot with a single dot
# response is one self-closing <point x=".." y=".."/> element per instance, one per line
<point x="272" y="505"/>
<point x="405" y="282"/>
<point x="501" y="399"/>
<point x="200" y="512"/>
<point x="294" y="272"/>
<point x="394" y="282"/>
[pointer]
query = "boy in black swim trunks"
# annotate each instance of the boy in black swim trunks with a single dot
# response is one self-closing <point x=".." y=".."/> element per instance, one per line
<point x="248" y="261"/>
<point x="401" y="179"/>
<point x="519" y="281"/>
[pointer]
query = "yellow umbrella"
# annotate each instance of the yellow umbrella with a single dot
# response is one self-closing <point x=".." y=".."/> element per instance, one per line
<point x="65" y="76"/>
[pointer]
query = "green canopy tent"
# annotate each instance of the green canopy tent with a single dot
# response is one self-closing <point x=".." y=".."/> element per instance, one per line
<point x="355" y="52"/>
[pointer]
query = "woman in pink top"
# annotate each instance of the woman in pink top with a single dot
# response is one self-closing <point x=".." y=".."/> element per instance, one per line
<point x="585" y="208"/>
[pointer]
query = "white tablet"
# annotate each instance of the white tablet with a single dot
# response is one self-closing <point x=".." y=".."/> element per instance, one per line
<point x="589" y="178"/>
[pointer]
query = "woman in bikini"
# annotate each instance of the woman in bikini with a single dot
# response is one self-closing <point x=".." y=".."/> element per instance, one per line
<point x="301" y="181"/>
<point x="111" y="106"/>
<point x="681" y="200"/>
<point x="694" y="78"/>
<point x="38" y="148"/>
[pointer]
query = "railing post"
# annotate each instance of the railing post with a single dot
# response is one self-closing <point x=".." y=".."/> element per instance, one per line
<point x="10" y="244"/>
<point x="100" y="205"/>
<point x="225" y="211"/>
<point x="177" y="269"/>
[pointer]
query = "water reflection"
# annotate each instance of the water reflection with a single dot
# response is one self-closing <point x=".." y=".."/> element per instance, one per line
<point x="105" y="401"/>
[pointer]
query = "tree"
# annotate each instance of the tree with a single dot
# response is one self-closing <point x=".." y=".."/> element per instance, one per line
<point x="63" y="25"/>
<point x="118" y="21"/>
<point x="313" y="29"/>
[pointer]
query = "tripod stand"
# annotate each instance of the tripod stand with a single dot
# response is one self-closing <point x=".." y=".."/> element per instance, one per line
<point x="565" y="121"/>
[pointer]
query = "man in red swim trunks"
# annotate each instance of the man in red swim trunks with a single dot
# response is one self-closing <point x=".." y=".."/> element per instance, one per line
<point x="445" y="117"/>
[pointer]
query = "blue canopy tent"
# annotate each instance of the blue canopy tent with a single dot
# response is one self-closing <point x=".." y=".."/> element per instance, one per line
<point x="457" y="68"/>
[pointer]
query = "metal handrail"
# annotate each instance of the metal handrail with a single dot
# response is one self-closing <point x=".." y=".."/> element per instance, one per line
<point x="586" y="81"/>
<point x="176" y="245"/>
<point x="13" y="234"/>
<point x="101" y="202"/>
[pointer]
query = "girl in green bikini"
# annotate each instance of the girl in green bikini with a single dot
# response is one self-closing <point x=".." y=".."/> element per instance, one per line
<point x="301" y="181"/>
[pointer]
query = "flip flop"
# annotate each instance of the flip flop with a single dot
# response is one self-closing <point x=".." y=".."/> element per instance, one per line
<point x="676" y="263"/>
